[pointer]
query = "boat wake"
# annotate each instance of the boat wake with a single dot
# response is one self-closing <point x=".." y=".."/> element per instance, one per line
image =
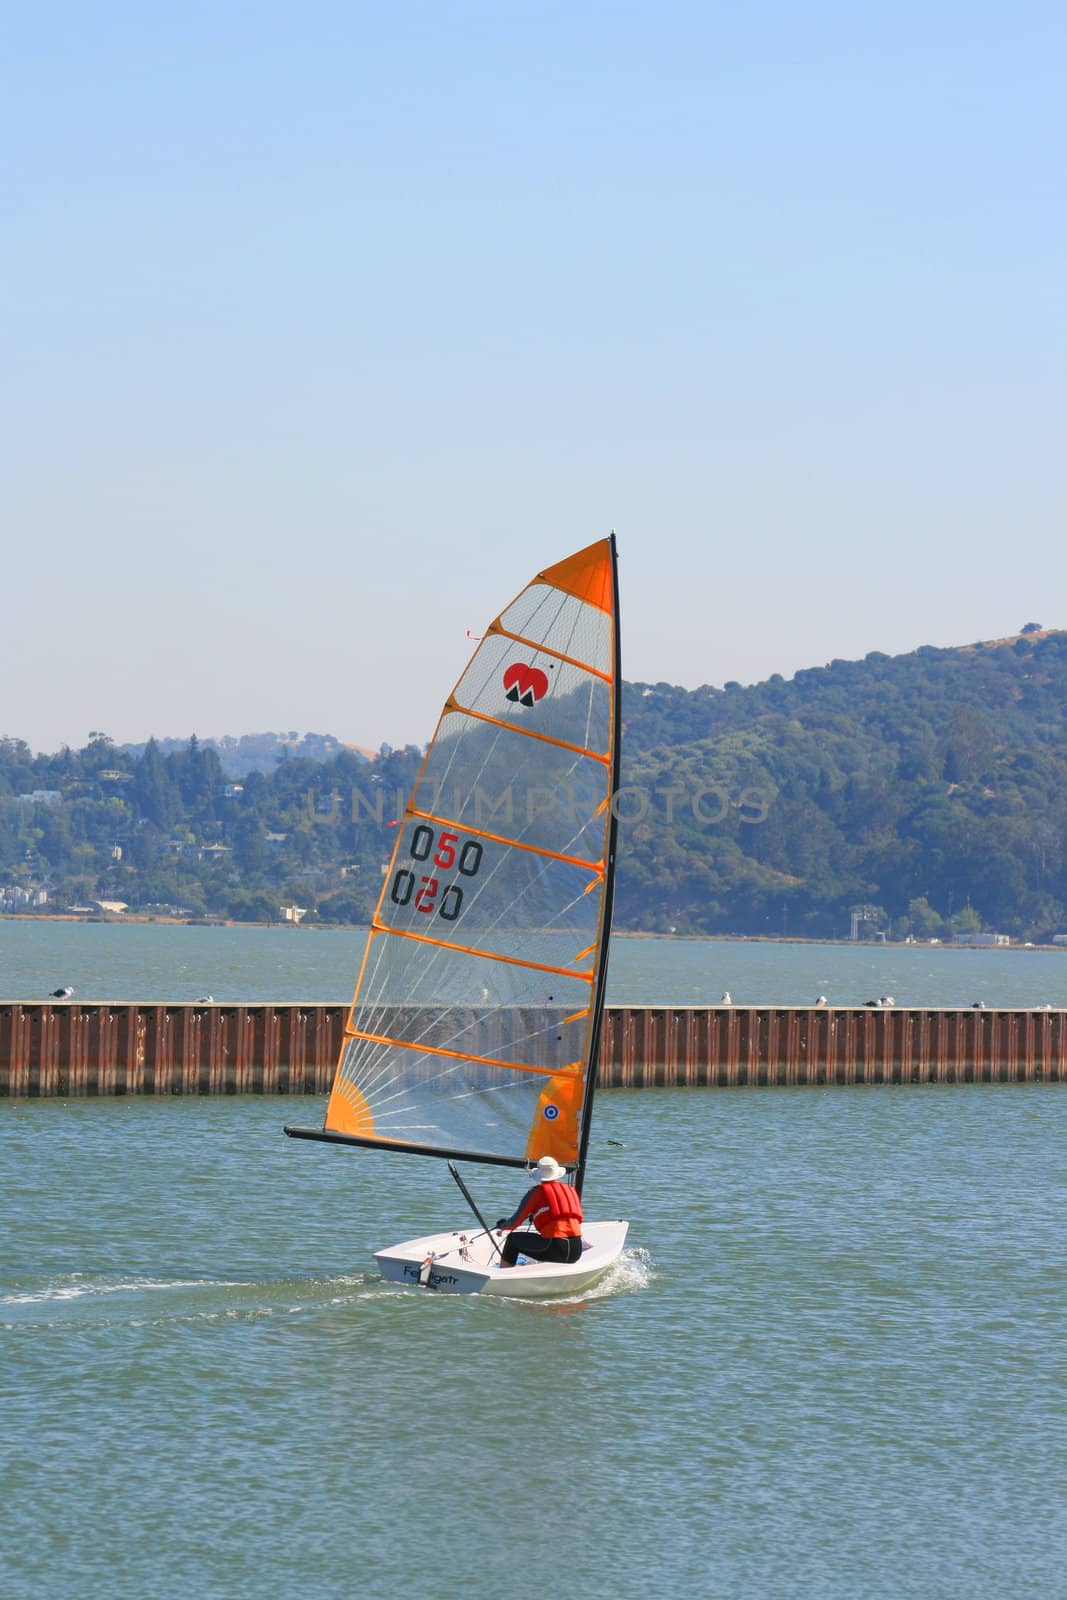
<point x="80" y="1298"/>
<point x="83" y="1299"/>
<point x="78" y="1287"/>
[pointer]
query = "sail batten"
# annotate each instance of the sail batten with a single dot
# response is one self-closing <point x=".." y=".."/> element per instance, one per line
<point x="458" y="1055"/>
<point x="519" y="638"/>
<point x="527" y="733"/>
<point x="483" y="955"/>
<point x="473" y="1029"/>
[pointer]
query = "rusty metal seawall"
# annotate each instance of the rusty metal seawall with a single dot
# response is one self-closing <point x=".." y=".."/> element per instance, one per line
<point x="49" y="1050"/>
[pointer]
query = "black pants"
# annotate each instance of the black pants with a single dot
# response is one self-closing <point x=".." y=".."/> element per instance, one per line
<point x="538" y="1249"/>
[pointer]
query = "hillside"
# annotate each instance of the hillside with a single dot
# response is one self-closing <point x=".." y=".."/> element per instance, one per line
<point x="930" y="786"/>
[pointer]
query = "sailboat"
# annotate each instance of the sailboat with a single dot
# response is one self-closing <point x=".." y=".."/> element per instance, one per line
<point x="474" y="1031"/>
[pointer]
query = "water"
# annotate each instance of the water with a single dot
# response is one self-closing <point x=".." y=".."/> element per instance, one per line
<point x="146" y="961"/>
<point x="829" y="1366"/>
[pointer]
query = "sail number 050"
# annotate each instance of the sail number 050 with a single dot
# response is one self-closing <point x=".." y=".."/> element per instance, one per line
<point x="466" y="860"/>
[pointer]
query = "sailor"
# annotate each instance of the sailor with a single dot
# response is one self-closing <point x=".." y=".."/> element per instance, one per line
<point x="555" y="1210"/>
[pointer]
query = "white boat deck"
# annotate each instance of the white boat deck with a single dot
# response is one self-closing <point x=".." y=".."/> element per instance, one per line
<point x="465" y="1261"/>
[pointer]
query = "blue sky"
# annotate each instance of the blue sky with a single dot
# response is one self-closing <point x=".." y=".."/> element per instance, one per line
<point x="326" y="325"/>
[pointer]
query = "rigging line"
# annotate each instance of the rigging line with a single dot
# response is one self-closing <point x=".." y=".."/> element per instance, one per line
<point x="484" y="955"/>
<point x="548" y="650"/>
<point x="453" y="705"/>
<point x="473" y="1205"/>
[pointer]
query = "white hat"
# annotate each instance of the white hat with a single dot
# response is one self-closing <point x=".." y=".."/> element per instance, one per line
<point x="548" y="1170"/>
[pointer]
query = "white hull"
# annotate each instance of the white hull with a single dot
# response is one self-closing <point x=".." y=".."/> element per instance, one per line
<point x="480" y="1272"/>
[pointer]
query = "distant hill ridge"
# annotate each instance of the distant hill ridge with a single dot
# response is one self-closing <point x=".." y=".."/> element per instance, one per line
<point x="929" y="788"/>
<point x="259" y="752"/>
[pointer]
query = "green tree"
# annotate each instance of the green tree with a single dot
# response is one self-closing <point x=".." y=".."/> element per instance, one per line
<point x="157" y="796"/>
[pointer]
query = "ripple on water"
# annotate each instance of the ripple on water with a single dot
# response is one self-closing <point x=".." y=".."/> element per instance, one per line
<point x="822" y="1366"/>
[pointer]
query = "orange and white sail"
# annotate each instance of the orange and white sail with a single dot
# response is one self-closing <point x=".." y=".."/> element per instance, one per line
<point x="476" y="1012"/>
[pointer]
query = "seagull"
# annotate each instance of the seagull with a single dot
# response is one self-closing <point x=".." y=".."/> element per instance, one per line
<point x="822" y="1000"/>
<point x="887" y="1000"/>
<point x="726" y="1001"/>
<point x="979" y="1005"/>
<point x="204" y="1000"/>
<point x="61" y="994"/>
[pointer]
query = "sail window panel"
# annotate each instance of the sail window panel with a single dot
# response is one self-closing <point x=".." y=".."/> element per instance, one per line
<point x="495" y="778"/>
<point x="466" y="889"/>
<point x="538" y="692"/>
<point x="457" y="1000"/>
<point x="548" y="616"/>
<point x="420" y="1098"/>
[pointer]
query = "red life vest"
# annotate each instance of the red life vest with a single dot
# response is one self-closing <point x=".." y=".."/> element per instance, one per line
<point x="556" y="1210"/>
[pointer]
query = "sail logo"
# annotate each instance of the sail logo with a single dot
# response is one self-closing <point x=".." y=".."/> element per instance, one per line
<point x="551" y="1113"/>
<point x="525" y="685"/>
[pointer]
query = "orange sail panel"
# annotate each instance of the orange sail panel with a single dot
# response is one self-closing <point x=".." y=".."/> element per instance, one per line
<point x="473" y="1017"/>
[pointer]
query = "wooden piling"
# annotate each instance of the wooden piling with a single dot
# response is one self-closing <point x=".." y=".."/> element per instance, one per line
<point x="60" y="1049"/>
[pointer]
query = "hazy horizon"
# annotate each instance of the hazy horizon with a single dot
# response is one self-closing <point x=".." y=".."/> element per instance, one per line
<point x="281" y="732"/>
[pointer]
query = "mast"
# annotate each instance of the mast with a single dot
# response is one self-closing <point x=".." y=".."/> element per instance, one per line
<point x="593" y="1065"/>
